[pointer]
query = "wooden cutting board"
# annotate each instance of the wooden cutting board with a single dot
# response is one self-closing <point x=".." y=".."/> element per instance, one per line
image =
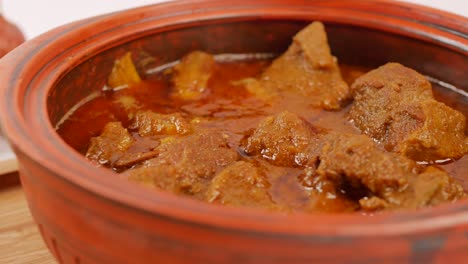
<point x="20" y="241"/>
<point x="7" y="158"/>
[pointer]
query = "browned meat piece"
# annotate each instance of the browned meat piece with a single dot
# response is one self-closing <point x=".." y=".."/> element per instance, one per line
<point x="428" y="131"/>
<point x="130" y="159"/>
<point x="431" y="187"/>
<point x="386" y="180"/>
<point x="357" y="158"/>
<point x="307" y="69"/>
<point x="141" y="150"/>
<point x="324" y="195"/>
<point x="117" y="148"/>
<point x="283" y="139"/>
<point x="338" y="163"/>
<point x="241" y="184"/>
<point x="189" y="166"/>
<point x="161" y="177"/>
<point x="394" y="105"/>
<point x="149" y="123"/>
<point x="110" y="145"/>
<point x="191" y="75"/>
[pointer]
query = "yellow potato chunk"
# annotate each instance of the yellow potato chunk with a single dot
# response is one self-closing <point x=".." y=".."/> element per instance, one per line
<point x="124" y="73"/>
<point x="191" y="75"/>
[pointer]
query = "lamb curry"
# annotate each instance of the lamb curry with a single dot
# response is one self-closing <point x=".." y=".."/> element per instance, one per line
<point x="295" y="133"/>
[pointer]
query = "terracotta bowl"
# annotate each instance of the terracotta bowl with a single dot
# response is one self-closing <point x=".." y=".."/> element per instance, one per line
<point x="87" y="215"/>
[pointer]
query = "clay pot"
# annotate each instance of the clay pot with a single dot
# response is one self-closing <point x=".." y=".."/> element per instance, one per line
<point x="10" y="36"/>
<point x="87" y="215"/>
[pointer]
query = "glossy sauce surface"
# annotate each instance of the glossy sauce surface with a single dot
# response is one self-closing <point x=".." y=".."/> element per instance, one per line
<point x="229" y="107"/>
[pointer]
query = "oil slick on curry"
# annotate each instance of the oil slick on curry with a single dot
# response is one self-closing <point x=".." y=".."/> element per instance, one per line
<point x="297" y="133"/>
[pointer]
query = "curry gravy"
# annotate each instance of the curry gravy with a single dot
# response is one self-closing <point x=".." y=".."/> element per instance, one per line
<point x="228" y="106"/>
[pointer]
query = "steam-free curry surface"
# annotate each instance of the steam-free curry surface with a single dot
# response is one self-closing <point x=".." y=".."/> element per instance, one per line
<point x="296" y="133"/>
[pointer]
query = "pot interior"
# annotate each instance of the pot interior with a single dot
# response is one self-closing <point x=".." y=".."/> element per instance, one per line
<point x="350" y="44"/>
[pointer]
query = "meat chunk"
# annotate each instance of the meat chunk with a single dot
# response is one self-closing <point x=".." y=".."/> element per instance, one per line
<point x="110" y="145"/>
<point x="131" y="158"/>
<point x="241" y="184"/>
<point x="283" y="139"/>
<point x="428" y="131"/>
<point x="357" y="158"/>
<point x="354" y="165"/>
<point x="431" y="187"/>
<point x="161" y="177"/>
<point x="307" y="69"/>
<point x="189" y="166"/>
<point x="394" y="105"/>
<point x="324" y="194"/>
<point x="191" y="75"/>
<point x="386" y="180"/>
<point x="117" y="148"/>
<point x="149" y="123"/>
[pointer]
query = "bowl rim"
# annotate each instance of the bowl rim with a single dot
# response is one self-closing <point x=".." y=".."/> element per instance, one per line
<point x="23" y="111"/>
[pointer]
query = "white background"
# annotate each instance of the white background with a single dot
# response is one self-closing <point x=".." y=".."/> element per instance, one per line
<point x="37" y="16"/>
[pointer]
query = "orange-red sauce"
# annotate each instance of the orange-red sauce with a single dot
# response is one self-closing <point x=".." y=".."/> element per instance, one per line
<point x="233" y="109"/>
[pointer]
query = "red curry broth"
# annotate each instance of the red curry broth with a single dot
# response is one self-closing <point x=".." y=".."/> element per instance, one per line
<point x="231" y="108"/>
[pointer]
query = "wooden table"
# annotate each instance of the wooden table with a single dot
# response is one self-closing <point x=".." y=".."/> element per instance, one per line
<point x="20" y="241"/>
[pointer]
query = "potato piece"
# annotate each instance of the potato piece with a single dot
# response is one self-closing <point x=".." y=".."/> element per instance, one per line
<point x="191" y="75"/>
<point x="124" y="73"/>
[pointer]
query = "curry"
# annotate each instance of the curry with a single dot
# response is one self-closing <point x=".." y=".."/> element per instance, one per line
<point x="298" y="132"/>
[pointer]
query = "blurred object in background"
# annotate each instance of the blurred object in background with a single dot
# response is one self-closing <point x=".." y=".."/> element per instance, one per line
<point x="10" y="38"/>
<point x="10" y="35"/>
